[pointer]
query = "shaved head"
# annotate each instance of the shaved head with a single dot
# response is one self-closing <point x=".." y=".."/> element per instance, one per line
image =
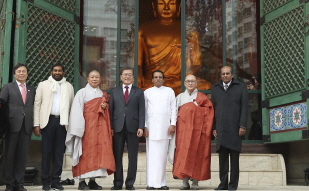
<point x="94" y="78"/>
<point x="190" y="83"/>
<point x="93" y="71"/>
<point x="190" y="77"/>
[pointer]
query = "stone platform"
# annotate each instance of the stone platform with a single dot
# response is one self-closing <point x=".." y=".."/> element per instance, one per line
<point x="262" y="170"/>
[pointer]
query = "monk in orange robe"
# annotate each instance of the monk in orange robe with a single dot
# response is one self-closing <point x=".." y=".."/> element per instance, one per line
<point x="193" y="135"/>
<point x="89" y="137"/>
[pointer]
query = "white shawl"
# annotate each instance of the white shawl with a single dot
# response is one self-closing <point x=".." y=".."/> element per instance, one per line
<point x="64" y="98"/>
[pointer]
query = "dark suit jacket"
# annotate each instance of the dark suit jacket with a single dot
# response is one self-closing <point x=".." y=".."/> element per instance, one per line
<point x="131" y="113"/>
<point x="4" y="118"/>
<point x="17" y="109"/>
<point x="231" y="112"/>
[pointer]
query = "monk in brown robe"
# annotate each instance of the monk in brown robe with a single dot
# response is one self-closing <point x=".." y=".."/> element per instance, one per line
<point x="89" y="135"/>
<point x="193" y="135"/>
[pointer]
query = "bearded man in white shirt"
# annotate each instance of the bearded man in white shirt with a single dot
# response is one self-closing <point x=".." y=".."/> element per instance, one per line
<point x="52" y="105"/>
<point x="160" y="121"/>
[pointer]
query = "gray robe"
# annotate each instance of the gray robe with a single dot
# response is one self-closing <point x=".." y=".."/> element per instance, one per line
<point x="77" y="127"/>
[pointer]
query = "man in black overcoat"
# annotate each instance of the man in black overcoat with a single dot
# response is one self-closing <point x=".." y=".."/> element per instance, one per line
<point x="230" y="101"/>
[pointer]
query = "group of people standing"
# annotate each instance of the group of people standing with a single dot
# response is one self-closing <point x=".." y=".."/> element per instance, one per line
<point x="95" y="127"/>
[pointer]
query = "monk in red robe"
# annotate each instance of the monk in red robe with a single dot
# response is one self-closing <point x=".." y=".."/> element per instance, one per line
<point x="193" y="135"/>
<point x="89" y="137"/>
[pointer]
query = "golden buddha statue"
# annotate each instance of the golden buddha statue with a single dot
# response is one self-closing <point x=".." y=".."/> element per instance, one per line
<point x="160" y="47"/>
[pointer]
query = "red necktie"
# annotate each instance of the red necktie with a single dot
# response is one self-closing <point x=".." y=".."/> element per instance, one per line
<point x="126" y="94"/>
<point x="23" y="92"/>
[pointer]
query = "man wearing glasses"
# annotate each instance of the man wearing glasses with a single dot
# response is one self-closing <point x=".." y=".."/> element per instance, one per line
<point x="193" y="136"/>
<point x="160" y="124"/>
<point x="127" y="113"/>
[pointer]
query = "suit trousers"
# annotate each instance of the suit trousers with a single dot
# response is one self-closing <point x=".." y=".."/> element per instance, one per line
<point x="224" y="168"/>
<point x="15" y="154"/>
<point x="53" y="145"/>
<point x="119" y="140"/>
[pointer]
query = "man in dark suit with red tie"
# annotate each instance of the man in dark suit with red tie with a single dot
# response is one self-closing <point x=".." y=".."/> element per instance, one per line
<point x="127" y="113"/>
<point x="20" y="98"/>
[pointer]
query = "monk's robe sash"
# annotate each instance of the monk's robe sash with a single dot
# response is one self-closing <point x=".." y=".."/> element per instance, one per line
<point x="193" y="139"/>
<point x="97" y="140"/>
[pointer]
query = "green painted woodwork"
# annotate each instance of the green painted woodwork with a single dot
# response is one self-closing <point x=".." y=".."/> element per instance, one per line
<point x="6" y="14"/>
<point x="285" y="99"/>
<point x="284" y="59"/>
<point x="2" y="15"/>
<point x="136" y="24"/>
<point x="286" y="136"/>
<point x="69" y="5"/>
<point x="118" y="43"/>
<point x="284" y="66"/>
<point x="270" y="5"/>
<point x="183" y="45"/>
<point x="47" y="34"/>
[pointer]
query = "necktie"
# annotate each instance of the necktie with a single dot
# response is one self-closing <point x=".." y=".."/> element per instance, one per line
<point x="225" y="87"/>
<point x="126" y="94"/>
<point x="23" y="92"/>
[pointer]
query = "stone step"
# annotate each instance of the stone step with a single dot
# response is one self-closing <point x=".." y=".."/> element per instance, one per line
<point x="255" y="169"/>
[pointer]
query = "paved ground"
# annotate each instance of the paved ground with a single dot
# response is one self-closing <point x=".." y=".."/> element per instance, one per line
<point x="175" y="187"/>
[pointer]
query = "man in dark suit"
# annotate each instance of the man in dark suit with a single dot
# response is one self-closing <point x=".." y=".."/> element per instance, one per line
<point x="19" y="97"/>
<point x="230" y="101"/>
<point x="127" y="111"/>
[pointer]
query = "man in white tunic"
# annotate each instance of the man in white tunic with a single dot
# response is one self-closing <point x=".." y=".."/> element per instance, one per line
<point x="89" y="137"/>
<point x="160" y="121"/>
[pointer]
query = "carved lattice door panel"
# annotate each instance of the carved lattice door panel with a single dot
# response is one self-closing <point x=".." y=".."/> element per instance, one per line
<point x="284" y="33"/>
<point x="47" y="32"/>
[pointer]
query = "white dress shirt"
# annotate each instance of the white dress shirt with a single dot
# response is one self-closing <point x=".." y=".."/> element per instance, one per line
<point x="20" y="88"/>
<point x="228" y="84"/>
<point x="55" y="109"/>
<point x="124" y="89"/>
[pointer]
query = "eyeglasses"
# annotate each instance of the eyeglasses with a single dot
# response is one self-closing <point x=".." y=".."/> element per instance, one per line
<point x="128" y="75"/>
<point x="190" y="81"/>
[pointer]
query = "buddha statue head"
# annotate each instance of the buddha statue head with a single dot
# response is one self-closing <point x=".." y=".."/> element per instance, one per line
<point x="166" y="9"/>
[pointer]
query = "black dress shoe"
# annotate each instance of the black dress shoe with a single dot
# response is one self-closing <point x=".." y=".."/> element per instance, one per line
<point x="232" y="188"/>
<point x="46" y="187"/>
<point x="164" y="188"/>
<point x="57" y="186"/>
<point x="67" y="182"/>
<point x="94" y="186"/>
<point x="116" y="188"/>
<point x="130" y="187"/>
<point x="150" y="188"/>
<point x="20" y="188"/>
<point x="9" y="188"/>
<point x="83" y="186"/>
<point x="220" y="188"/>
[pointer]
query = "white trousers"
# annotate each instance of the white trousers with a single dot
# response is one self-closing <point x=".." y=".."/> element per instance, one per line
<point x="156" y="162"/>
